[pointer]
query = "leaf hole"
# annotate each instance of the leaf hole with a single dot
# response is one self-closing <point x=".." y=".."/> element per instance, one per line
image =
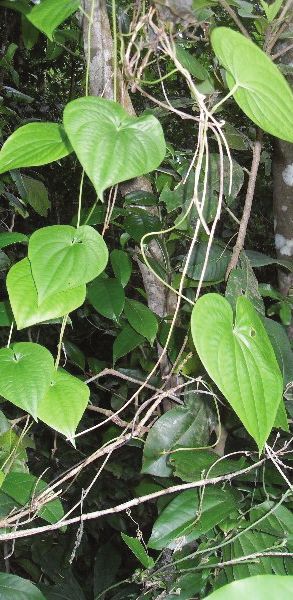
<point x="252" y="333"/>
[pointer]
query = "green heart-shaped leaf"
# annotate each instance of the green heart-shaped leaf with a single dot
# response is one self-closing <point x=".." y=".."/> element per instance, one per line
<point x="25" y="375"/>
<point x="112" y="146"/>
<point x="263" y="92"/>
<point x="63" y="258"/>
<point x="240" y="359"/>
<point x="24" y="298"/>
<point x="33" y="145"/>
<point x="64" y="403"/>
<point x="47" y="15"/>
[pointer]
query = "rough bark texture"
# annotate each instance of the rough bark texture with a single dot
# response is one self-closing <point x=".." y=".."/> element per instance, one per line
<point x="160" y="300"/>
<point x="283" y="195"/>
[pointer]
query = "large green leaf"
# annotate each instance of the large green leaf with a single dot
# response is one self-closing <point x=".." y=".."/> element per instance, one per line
<point x="251" y="542"/>
<point x="25" y="374"/>
<point x="260" y="587"/>
<point x="180" y="518"/>
<point x="13" y="587"/>
<point x="33" y="145"/>
<point x="177" y="428"/>
<point x="24" y="298"/>
<point x="217" y="265"/>
<point x="107" y="297"/>
<point x="112" y="146"/>
<point x="192" y="465"/>
<point x="47" y="15"/>
<point x="262" y="93"/>
<point x="240" y="359"/>
<point x="64" y="403"/>
<point x="23" y="487"/>
<point x="63" y="257"/>
<point x="141" y="318"/>
<point x="139" y="222"/>
<point x="279" y="522"/>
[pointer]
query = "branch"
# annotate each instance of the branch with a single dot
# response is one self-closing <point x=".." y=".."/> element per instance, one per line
<point x="114" y="418"/>
<point x="248" y="204"/>
<point x="282" y="52"/>
<point x="130" y="504"/>
<point x="121" y="375"/>
<point x="235" y="18"/>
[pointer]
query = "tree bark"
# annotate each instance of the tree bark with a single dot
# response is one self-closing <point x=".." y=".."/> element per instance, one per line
<point x="99" y="45"/>
<point x="283" y="195"/>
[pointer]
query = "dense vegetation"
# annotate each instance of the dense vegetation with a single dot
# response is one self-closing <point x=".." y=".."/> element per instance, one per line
<point x="146" y="364"/>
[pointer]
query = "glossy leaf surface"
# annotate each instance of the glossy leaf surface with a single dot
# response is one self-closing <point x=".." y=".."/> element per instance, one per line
<point x="107" y="297"/>
<point x="180" y="518"/>
<point x="24" y="298"/>
<point x="64" y="403"/>
<point x="47" y="15"/>
<point x="240" y="359"/>
<point x="262" y="93"/>
<point x="13" y="586"/>
<point x="33" y="145"/>
<point x="141" y="318"/>
<point x="25" y="375"/>
<point x="112" y="146"/>
<point x="63" y="258"/>
<point x="177" y="428"/>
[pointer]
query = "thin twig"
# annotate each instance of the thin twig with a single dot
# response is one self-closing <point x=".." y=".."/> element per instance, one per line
<point x="241" y="559"/>
<point x="111" y="415"/>
<point x="235" y="18"/>
<point x="121" y="375"/>
<point x="129" y="504"/>
<point x="282" y="52"/>
<point x="248" y="204"/>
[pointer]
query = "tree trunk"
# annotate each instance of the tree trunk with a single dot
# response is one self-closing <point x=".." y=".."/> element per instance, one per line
<point x="283" y="196"/>
<point x="160" y="300"/>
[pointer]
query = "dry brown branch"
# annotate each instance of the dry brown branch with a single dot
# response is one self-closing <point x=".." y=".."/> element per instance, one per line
<point x="248" y="204"/>
<point x="282" y="52"/>
<point x="234" y="17"/>
<point x="111" y="415"/>
<point x="121" y="375"/>
<point x="129" y="504"/>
